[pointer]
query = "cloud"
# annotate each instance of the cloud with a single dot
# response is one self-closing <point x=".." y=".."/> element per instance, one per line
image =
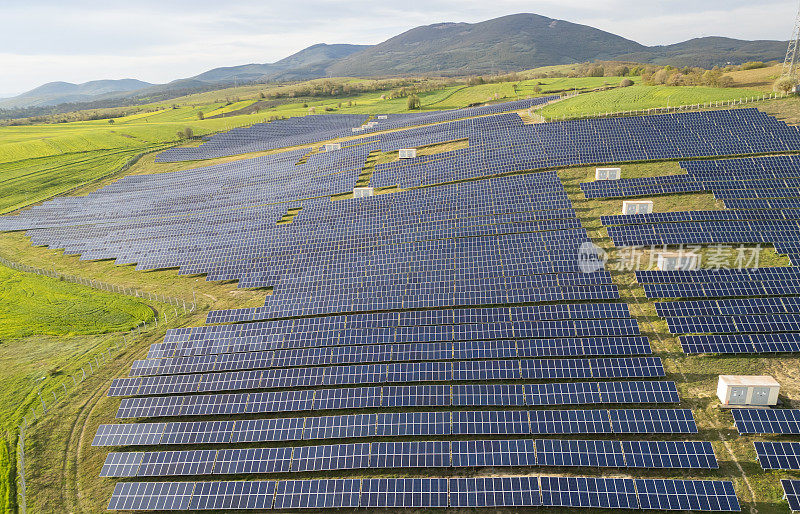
<point x="160" y="41"/>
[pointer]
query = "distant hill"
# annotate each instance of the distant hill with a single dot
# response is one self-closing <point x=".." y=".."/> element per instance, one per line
<point x="515" y="42"/>
<point x="509" y="43"/>
<point x="54" y="93"/>
<point x="305" y="64"/>
<point x="708" y="52"/>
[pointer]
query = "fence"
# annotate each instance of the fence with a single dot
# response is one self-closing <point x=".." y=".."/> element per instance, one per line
<point x="666" y="110"/>
<point x="60" y="391"/>
<point x="97" y="284"/>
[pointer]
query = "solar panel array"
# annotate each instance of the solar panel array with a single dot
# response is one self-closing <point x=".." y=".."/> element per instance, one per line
<point x="438" y="327"/>
<point x="517" y="491"/>
<point x="309" y="129"/>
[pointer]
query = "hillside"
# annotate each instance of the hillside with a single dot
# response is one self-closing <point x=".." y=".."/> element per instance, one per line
<point x="514" y="42"/>
<point x="509" y="43"/>
<point x="54" y="93"/>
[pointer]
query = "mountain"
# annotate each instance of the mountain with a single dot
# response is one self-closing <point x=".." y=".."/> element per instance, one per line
<point x="306" y="63"/>
<point x="54" y="93"/>
<point x="514" y="42"/>
<point x="711" y="51"/>
<point x="509" y="43"/>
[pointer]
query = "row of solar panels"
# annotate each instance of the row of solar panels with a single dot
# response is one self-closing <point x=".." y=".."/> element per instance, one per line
<point x="525" y="491"/>
<point x="240" y="342"/>
<point x="404" y="372"/>
<point x="375" y="353"/>
<point x="463" y="395"/>
<point x="393" y="424"/>
<point x="418" y="454"/>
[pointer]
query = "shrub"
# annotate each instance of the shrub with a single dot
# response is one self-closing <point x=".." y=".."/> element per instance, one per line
<point x="753" y="65"/>
<point x="200" y="115"/>
<point x="625" y="83"/>
<point x="784" y="85"/>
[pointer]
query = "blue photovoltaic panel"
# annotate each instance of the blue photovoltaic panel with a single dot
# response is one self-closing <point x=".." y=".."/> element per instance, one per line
<point x="514" y="452"/>
<point x="151" y="496"/>
<point x="778" y="455"/>
<point x="495" y="492"/>
<point x="240" y="495"/>
<point x="404" y="492"/>
<point x="703" y="495"/>
<point x="791" y="491"/>
<point x="587" y="453"/>
<point x="607" y="493"/>
<point x="767" y="421"/>
<point x="317" y="494"/>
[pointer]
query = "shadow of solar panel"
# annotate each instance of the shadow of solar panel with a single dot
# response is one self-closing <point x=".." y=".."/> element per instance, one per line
<point x="404" y="492"/>
<point x="494" y="492"/>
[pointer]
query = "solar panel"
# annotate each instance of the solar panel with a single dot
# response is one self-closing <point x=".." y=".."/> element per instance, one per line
<point x="317" y="494"/>
<point x="591" y="453"/>
<point x="791" y="491"/>
<point x="705" y="495"/>
<point x="151" y="496"/>
<point x="609" y="493"/>
<point x="513" y="452"/>
<point x="767" y="421"/>
<point x="239" y="495"/>
<point x="778" y="455"/>
<point x="494" y="492"/>
<point x="404" y="492"/>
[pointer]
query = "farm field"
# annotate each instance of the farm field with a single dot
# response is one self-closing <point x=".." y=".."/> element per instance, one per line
<point x="642" y="97"/>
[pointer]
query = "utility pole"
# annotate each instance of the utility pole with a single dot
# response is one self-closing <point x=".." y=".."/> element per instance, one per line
<point x="790" y="62"/>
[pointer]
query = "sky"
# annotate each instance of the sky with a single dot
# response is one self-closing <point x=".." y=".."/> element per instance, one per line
<point x="159" y="41"/>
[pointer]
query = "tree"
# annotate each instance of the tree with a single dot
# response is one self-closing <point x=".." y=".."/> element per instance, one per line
<point x="414" y="102"/>
<point x="537" y="89"/>
<point x="784" y="85"/>
<point x="200" y="115"/>
<point x="111" y="121"/>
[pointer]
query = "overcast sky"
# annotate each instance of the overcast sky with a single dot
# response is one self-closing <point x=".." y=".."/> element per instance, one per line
<point x="158" y="41"/>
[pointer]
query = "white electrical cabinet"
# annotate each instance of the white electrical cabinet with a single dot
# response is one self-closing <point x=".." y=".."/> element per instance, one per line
<point x="637" y="207"/>
<point x="757" y="390"/>
<point x="332" y="146"/>
<point x="678" y="261"/>
<point x="607" y="173"/>
<point x="408" y="153"/>
<point x="363" y="192"/>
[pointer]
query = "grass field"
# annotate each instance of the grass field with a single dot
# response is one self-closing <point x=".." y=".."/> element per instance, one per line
<point x="37" y="305"/>
<point x="641" y="97"/>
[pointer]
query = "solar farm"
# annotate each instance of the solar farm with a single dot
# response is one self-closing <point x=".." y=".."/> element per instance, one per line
<point x="455" y="338"/>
